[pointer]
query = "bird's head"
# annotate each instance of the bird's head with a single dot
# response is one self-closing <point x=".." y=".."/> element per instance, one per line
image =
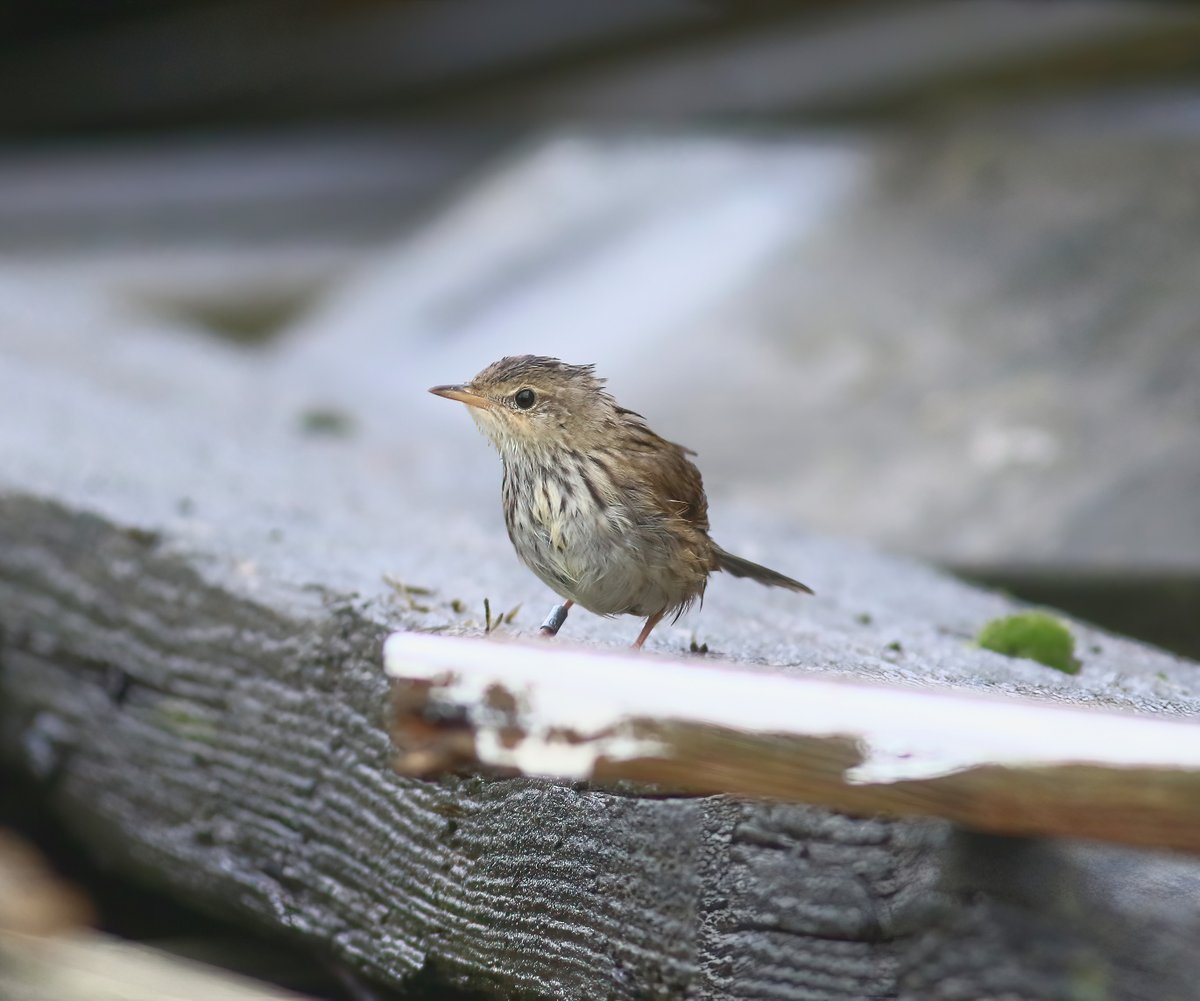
<point x="530" y="402"/>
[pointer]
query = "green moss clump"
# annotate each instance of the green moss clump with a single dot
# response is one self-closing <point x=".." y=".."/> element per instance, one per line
<point x="1035" y="635"/>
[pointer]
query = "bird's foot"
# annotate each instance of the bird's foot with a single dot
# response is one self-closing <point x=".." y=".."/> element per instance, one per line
<point x="556" y="618"/>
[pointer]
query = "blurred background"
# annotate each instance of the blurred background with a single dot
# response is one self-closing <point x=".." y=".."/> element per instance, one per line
<point x="923" y="273"/>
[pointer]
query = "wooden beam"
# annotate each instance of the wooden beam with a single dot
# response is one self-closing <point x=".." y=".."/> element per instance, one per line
<point x="193" y="604"/>
<point x="1000" y="764"/>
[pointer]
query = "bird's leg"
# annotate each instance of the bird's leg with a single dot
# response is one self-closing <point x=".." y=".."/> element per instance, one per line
<point x="650" y="624"/>
<point x="556" y="618"/>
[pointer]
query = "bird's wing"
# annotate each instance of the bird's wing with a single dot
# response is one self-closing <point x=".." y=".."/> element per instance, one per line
<point x="670" y="476"/>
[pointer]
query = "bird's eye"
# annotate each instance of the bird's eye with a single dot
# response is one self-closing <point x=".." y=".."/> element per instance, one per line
<point x="525" y="399"/>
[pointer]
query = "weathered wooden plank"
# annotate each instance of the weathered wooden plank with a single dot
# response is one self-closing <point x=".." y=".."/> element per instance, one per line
<point x="1004" y="765"/>
<point x="238" y="755"/>
<point x="192" y="610"/>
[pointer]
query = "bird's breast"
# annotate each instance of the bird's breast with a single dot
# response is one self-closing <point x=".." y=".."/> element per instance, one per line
<point x="573" y="532"/>
<point x="552" y="511"/>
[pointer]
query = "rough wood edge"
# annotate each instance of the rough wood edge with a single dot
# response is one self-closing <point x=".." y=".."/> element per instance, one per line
<point x="1000" y="764"/>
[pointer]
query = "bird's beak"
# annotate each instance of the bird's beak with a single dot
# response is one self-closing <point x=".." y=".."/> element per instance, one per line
<point x="463" y="395"/>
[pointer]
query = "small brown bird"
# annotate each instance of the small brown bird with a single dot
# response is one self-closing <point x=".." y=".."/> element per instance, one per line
<point x="602" y="509"/>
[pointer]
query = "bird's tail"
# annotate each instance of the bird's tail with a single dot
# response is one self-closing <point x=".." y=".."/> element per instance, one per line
<point x="744" y="568"/>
